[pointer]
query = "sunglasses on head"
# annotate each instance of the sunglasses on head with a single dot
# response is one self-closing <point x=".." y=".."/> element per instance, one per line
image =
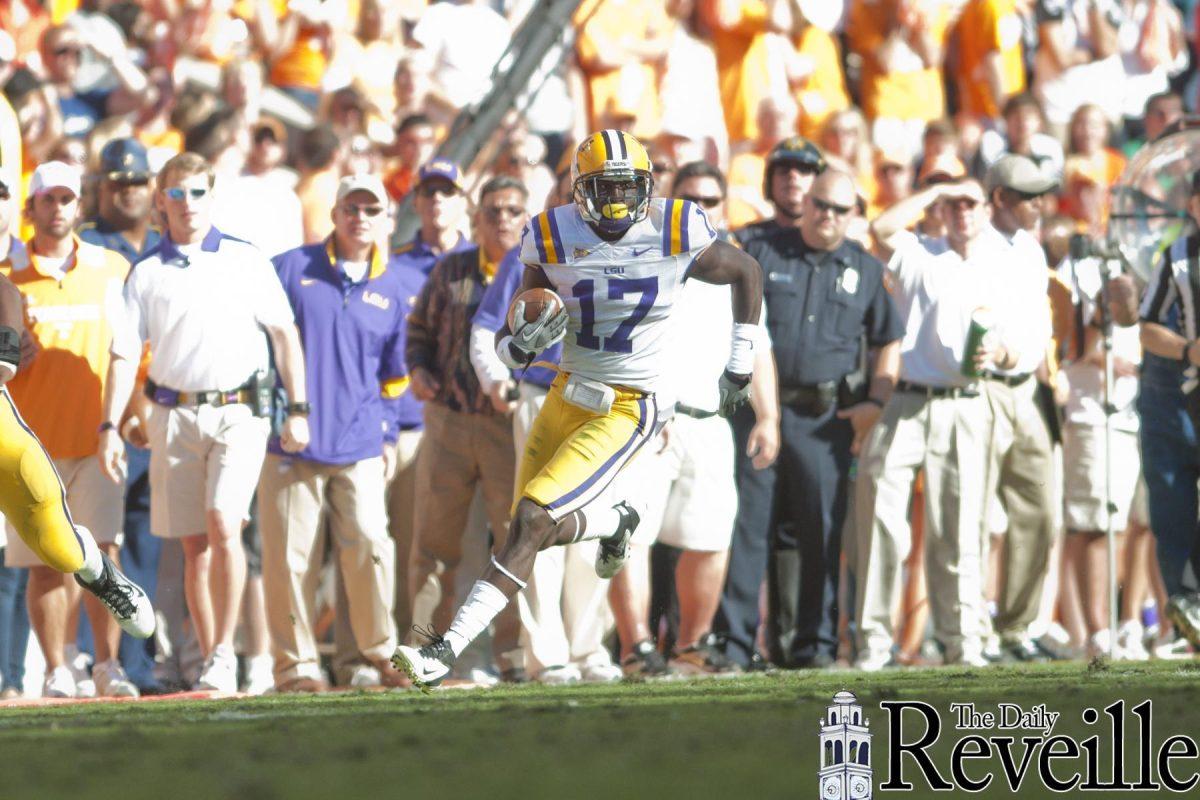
<point x="705" y="202"/>
<point x="178" y="193"/>
<point x="836" y="210"/>
<point x="493" y="213"/>
<point x="367" y="211"/>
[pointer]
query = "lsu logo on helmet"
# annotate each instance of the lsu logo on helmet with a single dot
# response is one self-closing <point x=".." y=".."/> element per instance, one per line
<point x="612" y="181"/>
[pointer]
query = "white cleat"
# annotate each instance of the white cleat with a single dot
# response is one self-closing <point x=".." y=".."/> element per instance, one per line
<point x="559" y="676"/>
<point x="123" y="598"/>
<point x="427" y="666"/>
<point x="613" y="551"/>
<point x="260" y="675"/>
<point x="220" y="671"/>
<point x="59" y="683"/>
<point x="111" y="680"/>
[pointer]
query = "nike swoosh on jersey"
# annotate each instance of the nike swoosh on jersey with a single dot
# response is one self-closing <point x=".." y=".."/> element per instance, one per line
<point x="635" y="252"/>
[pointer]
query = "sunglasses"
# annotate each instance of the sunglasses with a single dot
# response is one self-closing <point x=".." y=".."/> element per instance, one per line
<point x="366" y="211"/>
<point x="798" y="166"/>
<point x="835" y="210"/>
<point x="494" y="213"/>
<point x="706" y="202"/>
<point x="123" y="179"/>
<point x="432" y="189"/>
<point x="177" y="193"/>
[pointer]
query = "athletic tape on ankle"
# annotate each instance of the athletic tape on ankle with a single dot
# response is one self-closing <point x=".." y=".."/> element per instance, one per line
<point x="511" y="577"/>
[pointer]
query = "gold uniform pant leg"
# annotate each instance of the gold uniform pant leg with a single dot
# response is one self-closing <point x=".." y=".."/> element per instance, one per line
<point x="32" y="496"/>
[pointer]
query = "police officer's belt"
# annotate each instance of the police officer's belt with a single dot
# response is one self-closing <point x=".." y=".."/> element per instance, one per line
<point x="936" y="391"/>
<point x="817" y="398"/>
<point x="694" y="413"/>
<point x="214" y="397"/>
<point x="1009" y="380"/>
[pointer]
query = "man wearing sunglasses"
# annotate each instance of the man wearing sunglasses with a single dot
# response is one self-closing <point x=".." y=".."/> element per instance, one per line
<point x="441" y="205"/>
<point x="203" y="301"/>
<point x="828" y="315"/>
<point x="349" y="308"/>
<point x="1022" y="465"/>
<point x="122" y="225"/>
<point x="937" y="421"/>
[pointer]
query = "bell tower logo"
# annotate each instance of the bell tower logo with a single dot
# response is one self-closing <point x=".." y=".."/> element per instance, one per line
<point x="845" y="751"/>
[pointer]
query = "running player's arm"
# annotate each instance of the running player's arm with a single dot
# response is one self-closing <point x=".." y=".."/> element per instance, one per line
<point x="12" y="322"/>
<point x="726" y="265"/>
<point x="534" y="277"/>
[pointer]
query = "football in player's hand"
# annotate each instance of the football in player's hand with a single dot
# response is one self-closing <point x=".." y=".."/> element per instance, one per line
<point x="535" y="301"/>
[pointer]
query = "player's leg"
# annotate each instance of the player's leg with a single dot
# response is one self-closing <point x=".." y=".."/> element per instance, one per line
<point x="572" y="455"/>
<point x="34" y="503"/>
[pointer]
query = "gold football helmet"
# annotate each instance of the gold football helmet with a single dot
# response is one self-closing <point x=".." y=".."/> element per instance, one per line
<point x="612" y="181"/>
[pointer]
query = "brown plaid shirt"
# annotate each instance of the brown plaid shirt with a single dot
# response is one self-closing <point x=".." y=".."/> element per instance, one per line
<point x="439" y="329"/>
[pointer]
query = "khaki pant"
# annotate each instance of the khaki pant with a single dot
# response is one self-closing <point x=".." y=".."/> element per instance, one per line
<point x="402" y="513"/>
<point x="945" y="437"/>
<point x="459" y="452"/>
<point x="1021" y="469"/>
<point x="293" y="496"/>
<point x="564" y="609"/>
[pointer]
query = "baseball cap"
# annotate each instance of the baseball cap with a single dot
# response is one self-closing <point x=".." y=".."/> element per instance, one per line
<point x="55" y="173"/>
<point x="124" y="158"/>
<point x="441" y="169"/>
<point x="276" y="128"/>
<point x="362" y="182"/>
<point x="1021" y="174"/>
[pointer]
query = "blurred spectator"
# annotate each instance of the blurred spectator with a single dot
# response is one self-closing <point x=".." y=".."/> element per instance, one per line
<point x="467" y="444"/>
<point x="690" y="88"/>
<point x="1020" y="450"/>
<point x="206" y="433"/>
<point x="349" y="309"/>
<point x="936" y="422"/>
<point x="1087" y="146"/>
<point x="301" y="47"/>
<point x="122" y="224"/>
<point x="792" y="166"/>
<point x="1023" y="124"/>
<point x="268" y="149"/>
<point x="460" y="42"/>
<point x="1077" y="60"/>
<point x="990" y="66"/>
<point x="820" y="88"/>
<point x="739" y="31"/>
<point x="845" y="140"/>
<point x="441" y="206"/>
<point x="893" y="180"/>
<point x="902" y="45"/>
<point x="621" y="45"/>
<point x="414" y="146"/>
<point x="71" y="293"/>
<point x="61" y="49"/>
<point x="241" y="89"/>
<point x="747" y="201"/>
<point x="1162" y="110"/>
<point x="318" y="157"/>
<point x="931" y="227"/>
<point x="1153" y="51"/>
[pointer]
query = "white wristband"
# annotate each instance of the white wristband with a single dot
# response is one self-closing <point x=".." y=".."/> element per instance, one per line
<point x="741" y="355"/>
<point x="505" y="353"/>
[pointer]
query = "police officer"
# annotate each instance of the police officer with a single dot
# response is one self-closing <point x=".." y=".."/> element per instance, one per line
<point x="825" y="302"/>
<point x="792" y="166"/>
<point x="122" y="224"/>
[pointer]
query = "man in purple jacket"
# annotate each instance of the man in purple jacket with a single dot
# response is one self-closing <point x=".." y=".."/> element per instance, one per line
<point x="349" y="307"/>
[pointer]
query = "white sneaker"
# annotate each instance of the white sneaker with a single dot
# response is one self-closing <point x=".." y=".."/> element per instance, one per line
<point x="601" y="673"/>
<point x="220" y="671"/>
<point x="260" y="675"/>
<point x="111" y="680"/>
<point x="1176" y="650"/>
<point x="559" y="676"/>
<point x="1129" y="642"/>
<point x="59" y="683"/>
<point x="123" y="598"/>
<point x="1099" y="644"/>
<point x="873" y="662"/>
<point x="613" y="551"/>
<point x="427" y="666"/>
<point x="80" y="665"/>
<point x="365" y="677"/>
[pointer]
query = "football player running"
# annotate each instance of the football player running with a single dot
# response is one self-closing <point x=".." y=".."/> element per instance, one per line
<point x="618" y="259"/>
<point x="33" y="500"/>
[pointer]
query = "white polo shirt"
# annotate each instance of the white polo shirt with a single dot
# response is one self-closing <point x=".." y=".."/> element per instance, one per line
<point x="936" y="295"/>
<point x="1030" y="278"/>
<point x="201" y="308"/>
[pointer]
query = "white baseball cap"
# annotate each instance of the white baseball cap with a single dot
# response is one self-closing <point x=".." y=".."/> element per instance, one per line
<point x="56" y="173"/>
<point x="362" y="182"/>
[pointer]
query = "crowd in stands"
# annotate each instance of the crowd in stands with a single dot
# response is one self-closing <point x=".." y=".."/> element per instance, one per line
<point x="971" y="134"/>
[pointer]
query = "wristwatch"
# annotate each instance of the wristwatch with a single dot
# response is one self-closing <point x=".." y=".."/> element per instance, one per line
<point x="299" y="409"/>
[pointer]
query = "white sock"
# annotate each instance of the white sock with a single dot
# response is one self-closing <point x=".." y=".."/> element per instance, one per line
<point x="599" y="520"/>
<point x="482" y="605"/>
<point x="93" y="564"/>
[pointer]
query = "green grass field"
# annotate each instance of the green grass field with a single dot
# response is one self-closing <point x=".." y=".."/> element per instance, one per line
<point x="754" y="736"/>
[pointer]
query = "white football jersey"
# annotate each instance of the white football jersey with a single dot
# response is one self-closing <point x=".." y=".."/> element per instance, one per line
<point x="619" y="295"/>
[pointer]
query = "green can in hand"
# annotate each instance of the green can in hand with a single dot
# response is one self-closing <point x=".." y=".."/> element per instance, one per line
<point x="982" y="322"/>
